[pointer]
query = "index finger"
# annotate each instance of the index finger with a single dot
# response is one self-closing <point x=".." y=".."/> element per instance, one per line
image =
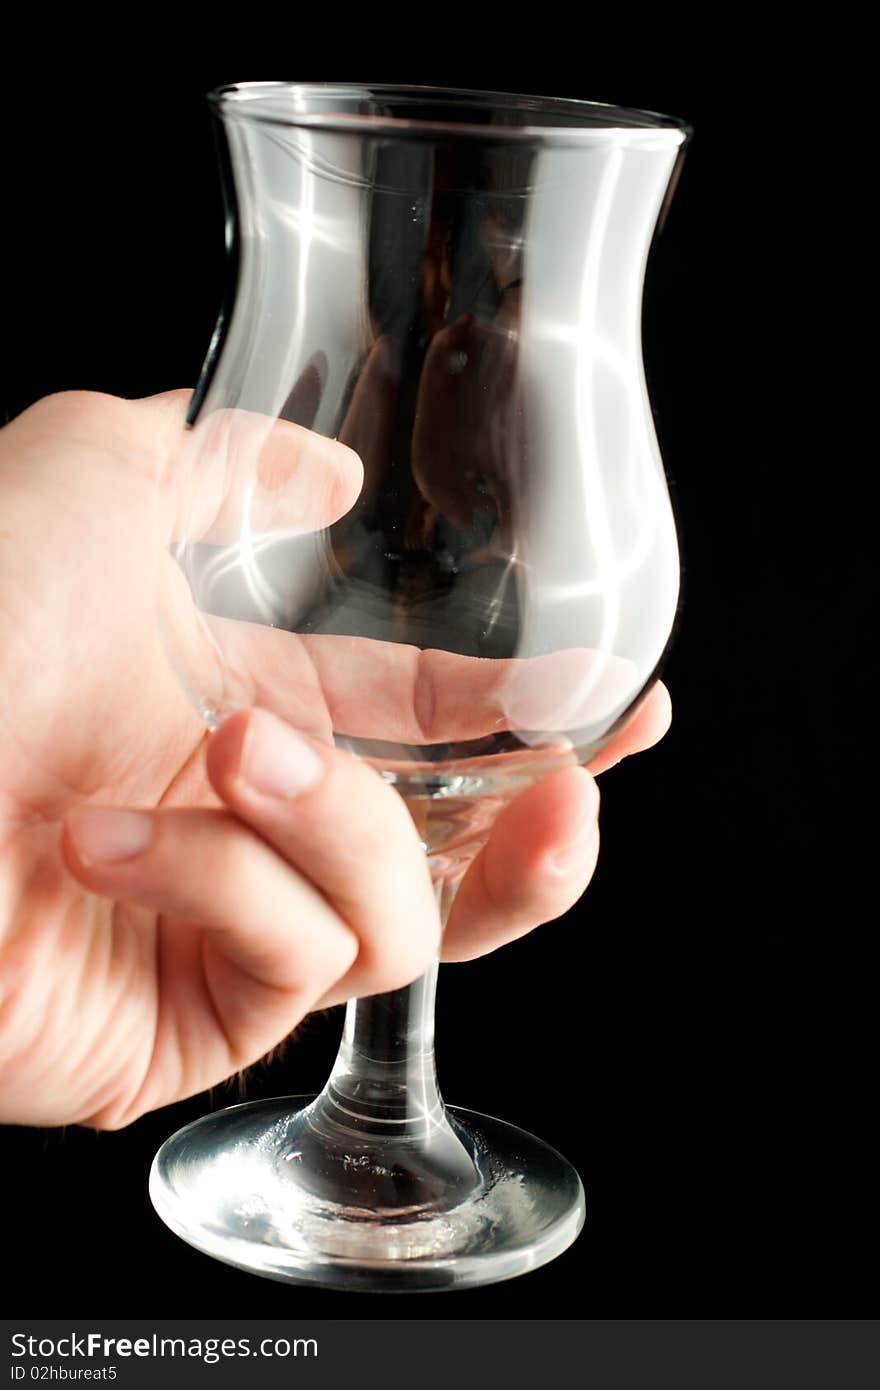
<point x="237" y="473"/>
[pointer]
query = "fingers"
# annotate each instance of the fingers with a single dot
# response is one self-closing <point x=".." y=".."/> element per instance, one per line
<point x="237" y="471"/>
<point x="646" y="727"/>
<point x="272" y="943"/>
<point x="399" y="693"/>
<point x="323" y="894"/>
<point x="543" y="848"/>
<point x="403" y="694"/>
<point x="537" y="863"/>
<point x="335" y="821"/>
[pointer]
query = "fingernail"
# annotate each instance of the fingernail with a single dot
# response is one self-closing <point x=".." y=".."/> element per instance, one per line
<point x="277" y="762"/>
<point x="566" y="860"/>
<point x="107" y="836"/>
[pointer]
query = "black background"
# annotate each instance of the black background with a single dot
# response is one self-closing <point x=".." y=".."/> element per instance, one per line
<point x="691" y="1034"/>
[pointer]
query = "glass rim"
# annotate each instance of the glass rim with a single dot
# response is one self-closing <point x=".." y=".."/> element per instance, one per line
<point x="246" y="99"/>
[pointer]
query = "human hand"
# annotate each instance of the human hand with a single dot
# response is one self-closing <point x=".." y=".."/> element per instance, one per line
<point x="228" y="911"/>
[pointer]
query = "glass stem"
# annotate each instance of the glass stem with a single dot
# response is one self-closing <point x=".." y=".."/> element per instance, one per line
<point x="384" y="1081"/>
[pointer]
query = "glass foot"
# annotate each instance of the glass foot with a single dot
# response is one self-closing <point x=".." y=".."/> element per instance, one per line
<point x="249" y="1185"/>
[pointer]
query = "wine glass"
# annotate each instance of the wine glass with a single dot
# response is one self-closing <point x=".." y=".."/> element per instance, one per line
<point x="450" y="283"/>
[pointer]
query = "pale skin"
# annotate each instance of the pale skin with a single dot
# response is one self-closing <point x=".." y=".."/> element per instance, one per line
<point x="257" y="873"/>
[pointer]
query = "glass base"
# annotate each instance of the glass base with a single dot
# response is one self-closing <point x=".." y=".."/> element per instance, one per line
<point x="235" y="1186"/>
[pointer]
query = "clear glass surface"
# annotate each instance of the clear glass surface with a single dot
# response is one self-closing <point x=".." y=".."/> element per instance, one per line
<point x="449" y="283"/>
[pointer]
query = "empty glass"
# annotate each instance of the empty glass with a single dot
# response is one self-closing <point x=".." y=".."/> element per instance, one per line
<point x="450" y="283"/>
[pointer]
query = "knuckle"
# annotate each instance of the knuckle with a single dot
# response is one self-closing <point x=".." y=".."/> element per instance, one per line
<point x="114" y="427"/>
<point x="319" y="971"/>
<point x="77" y="407"/>
<point x="424" y="696"/>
